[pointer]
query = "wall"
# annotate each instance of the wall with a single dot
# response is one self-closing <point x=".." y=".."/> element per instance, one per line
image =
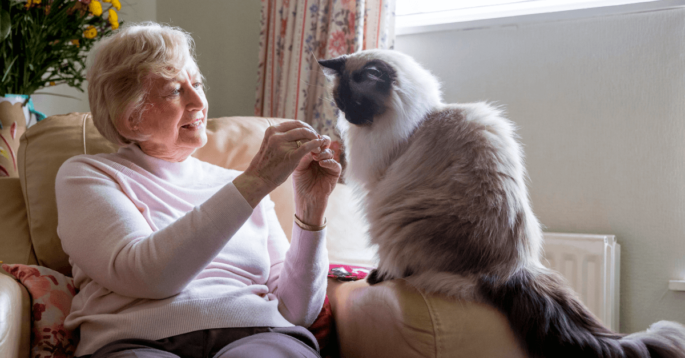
<point x="226" y="35"/>
<point x="600" y="105"/>
<point x="131" y="11"/>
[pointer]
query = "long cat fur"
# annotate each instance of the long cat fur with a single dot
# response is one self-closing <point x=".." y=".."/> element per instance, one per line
<point x="443" y="189"/>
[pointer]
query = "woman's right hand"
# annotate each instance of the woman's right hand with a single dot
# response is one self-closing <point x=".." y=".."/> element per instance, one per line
<point x="277" y="158"/>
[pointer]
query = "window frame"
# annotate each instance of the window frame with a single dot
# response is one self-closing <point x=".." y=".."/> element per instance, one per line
<point x="546" y="14"/>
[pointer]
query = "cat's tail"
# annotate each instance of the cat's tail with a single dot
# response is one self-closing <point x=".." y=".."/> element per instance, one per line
<point x="551" y="322"/>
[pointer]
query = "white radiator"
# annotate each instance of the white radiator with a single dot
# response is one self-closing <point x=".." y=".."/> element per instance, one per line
<point x="591" y="265"/>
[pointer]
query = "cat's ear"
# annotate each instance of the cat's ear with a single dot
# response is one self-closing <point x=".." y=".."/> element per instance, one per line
<point x="334" y="66"/>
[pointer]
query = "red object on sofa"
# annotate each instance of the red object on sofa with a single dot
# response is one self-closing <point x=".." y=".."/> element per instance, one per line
<point x="348" y="272"/>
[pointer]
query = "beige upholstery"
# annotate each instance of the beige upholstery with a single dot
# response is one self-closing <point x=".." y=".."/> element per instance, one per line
<point x="391" y="319"/>
<point x="15" y="244"/>
<point x="346" y="230"/>
<point x="15" y="319"/>
<point x="11" y="114"/>
<point x="44" y="147"/>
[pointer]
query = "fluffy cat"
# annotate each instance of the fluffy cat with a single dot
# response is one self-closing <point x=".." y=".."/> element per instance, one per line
<point x="443" y="188"/>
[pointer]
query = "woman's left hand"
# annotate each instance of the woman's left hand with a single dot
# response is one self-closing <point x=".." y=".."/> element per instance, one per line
<point x="313" y="180"/>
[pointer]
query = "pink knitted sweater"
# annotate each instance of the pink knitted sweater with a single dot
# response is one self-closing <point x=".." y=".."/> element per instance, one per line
<point x="160" y="249"/>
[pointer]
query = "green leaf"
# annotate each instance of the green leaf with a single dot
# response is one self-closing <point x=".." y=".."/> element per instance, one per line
<point x="5" y="24"/>
<point x="7" y="72"/>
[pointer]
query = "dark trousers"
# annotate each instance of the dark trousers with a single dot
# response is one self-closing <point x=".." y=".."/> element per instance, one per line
<point x="218" y="343"/>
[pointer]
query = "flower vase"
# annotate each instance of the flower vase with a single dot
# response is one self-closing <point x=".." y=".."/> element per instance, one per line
<point x="16" y="113"/>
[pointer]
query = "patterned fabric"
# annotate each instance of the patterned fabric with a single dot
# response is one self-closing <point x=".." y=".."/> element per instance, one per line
<point x="51" y="295"/>
<point x="296" y="33"/>
<point x="348" y="272"/>
<point x="12" y="126"/>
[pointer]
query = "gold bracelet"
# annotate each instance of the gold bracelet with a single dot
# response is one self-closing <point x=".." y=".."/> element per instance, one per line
<point x="309" y="227"/>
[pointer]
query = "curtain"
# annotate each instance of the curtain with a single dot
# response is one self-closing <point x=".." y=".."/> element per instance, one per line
<point x="294" y="35"/>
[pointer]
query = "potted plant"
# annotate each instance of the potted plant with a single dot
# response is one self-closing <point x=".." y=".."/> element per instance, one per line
<point x="43" y="43"/>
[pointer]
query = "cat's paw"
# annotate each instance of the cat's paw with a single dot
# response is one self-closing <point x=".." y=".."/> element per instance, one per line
<point x="374" y="277"/>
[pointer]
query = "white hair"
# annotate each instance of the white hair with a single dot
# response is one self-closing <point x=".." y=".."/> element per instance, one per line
<point x="122" y="66"/>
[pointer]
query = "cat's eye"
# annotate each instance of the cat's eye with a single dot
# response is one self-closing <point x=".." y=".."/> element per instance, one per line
<point x="373" y="72"/>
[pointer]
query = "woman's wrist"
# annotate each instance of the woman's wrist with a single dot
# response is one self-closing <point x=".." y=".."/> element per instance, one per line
<point x="303" y="225"/>
<point x="312" y="213"/>
<point x="252" y="188"/>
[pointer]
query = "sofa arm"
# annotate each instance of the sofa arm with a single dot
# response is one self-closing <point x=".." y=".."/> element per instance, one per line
<point x="393" y="319"/>
<point x="15" y="319"/>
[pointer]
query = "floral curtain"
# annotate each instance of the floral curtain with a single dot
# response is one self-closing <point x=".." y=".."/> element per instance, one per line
<point x="294" y="35"/>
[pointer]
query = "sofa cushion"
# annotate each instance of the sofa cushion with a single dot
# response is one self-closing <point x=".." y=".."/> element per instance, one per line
<point x="44" y="147"/>
<point x="346" y="231"/>
<point x="232" y="142"/>
<point x="15" y="243"/>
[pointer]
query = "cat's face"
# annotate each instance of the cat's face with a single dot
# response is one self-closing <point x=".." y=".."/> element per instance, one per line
<point x="363" y="88"/>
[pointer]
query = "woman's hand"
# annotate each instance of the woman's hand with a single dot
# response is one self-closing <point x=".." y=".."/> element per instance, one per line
<point x="313" y="181"/>
<point x="277" y="158"/>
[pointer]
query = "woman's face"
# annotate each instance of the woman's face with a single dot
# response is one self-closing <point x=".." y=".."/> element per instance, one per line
<point x="176" y="116"/>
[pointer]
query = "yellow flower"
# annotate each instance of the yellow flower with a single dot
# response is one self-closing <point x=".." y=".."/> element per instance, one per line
<point x="52" y="83"/>
<point x="75" y="42"/>
<point x="113" y="19"/>
<point x="30" y="3"/>
<point x="90" y="32"/>
<point x="95" y="8"/>
<point x="116" y="4"/>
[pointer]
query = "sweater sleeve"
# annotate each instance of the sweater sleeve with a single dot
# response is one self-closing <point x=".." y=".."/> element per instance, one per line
<point x="298" y="274"/>
<point x="107" y="237"/>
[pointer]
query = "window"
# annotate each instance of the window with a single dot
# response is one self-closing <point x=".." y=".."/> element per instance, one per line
<point x="432" y="15"/>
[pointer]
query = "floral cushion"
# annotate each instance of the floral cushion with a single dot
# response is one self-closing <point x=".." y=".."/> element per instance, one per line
<point x="12" y="126"/>
<point x="51" y="296"/>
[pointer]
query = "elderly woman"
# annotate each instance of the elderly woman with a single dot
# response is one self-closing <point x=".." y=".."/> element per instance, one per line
<point x="174" y="256"/>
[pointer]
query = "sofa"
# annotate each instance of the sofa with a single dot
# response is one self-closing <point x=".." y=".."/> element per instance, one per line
<point x="391" y="319"/>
